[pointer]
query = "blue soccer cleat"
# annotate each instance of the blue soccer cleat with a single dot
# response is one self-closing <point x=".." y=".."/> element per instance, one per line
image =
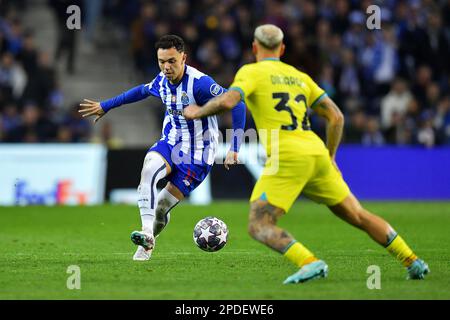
<point x="417" y="270"/>
<point x="310" y="271"/>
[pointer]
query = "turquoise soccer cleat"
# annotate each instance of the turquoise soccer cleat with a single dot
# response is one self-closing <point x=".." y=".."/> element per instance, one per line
<point x="310" y="271"/>
<point x="144" y="239"/>
<point x="417" y="270"/>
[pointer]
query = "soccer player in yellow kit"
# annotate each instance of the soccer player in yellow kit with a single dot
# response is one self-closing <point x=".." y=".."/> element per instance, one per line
<point x="278" y="96"/>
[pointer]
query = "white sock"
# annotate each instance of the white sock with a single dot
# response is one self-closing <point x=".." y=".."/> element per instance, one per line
<point x="153" y="170"/>
<point x="166" y="201"/>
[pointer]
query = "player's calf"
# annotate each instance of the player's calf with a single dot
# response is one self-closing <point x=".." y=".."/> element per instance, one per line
<point x="153" y="170"/>
<point x="379" y="230"/>
<point x="262" y="225"/>
<point x="166" y="202"/>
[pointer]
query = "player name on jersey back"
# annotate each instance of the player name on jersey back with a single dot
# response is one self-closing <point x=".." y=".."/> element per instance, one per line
<point x="285" y="80"/>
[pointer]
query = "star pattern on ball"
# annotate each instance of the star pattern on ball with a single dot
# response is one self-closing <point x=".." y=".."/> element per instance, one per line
<point x="222" y="237"/>
<point x="205" y="233"/>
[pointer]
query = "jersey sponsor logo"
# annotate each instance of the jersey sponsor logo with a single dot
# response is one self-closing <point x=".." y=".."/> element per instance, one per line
<point x="175" y="112"/>
<point x="215" y="89"/>
<point x="184" y="98"/>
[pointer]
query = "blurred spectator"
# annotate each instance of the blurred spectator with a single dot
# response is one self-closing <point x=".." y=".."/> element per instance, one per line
<point x="353" y="38"/>
<point x="41" y="81"/>
<point x="11" y="118"/>
<point x="67" y="39"/>
<point x="340" y="21"/>
<point x="349" y="79"/>
<point x="423" y="78"/>
<point x="396" y="101"/>
<point x="372" y="135"/>
<point x="229" y="44"/>
<point x="432" y="96"/>
<point x="436" y="45"/>
<point x="12" y="78"/>
<point x="14" y="35"/>
<point x="143" y="37"/>
<point x="79" y="127"/>
<point x="386" y="60"/>
<point x="93" y="13"/>
<point x="64" y="135"/>
<point x="355" y="128"/>
<point x="326" y="81"/>
<point x="412" y="114"/>
<point x="28" y="55"/>
<point x="426" y="134"/>
<point x="442" y="120"/>
<point x="34" y="127"/>
<point x="397" y="132"/>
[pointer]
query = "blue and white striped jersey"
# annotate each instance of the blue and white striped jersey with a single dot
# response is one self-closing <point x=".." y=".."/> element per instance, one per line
<point x="193" y="137"/>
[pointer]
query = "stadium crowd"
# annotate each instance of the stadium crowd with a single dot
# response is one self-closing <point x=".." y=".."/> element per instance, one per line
<point x="391" y="83"/>
<point x="31" y="103"/>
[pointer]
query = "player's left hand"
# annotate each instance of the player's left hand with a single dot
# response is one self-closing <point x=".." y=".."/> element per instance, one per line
<point x="191" y="112"/>
<point x="231" y="159"/>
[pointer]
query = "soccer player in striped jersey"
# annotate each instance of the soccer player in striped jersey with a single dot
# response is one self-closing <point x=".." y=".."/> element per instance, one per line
<point x="186" y="151"/>
<point x="278" y="96"/>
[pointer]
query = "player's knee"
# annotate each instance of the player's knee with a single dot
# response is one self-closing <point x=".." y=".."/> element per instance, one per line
<point x="147" y="172"/>
<point x="153" y="165"/>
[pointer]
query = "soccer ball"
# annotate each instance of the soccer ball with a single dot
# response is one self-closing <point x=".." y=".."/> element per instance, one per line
<point x="210" y="234"/>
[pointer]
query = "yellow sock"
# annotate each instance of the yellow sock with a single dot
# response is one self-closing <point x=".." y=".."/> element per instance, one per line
<point x="399" y="249"/>
<point x="299" y="255"/>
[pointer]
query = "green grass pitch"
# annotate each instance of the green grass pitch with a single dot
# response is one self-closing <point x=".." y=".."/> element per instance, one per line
<point x="39" y="243"/>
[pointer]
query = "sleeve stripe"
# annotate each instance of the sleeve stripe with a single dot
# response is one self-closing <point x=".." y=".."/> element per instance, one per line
<point x="241" y="92"/>
<point x="323" y="95"/>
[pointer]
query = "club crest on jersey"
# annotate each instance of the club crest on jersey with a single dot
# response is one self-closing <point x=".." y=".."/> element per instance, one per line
<point x="184" y="98"/>
<point x="215" y="89"/>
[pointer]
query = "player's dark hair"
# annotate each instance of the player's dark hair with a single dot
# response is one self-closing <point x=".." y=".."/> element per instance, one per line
<point x="170" y="41"/>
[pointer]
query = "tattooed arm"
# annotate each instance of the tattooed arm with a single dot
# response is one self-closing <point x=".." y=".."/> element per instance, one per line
<point x="327" y="109"/>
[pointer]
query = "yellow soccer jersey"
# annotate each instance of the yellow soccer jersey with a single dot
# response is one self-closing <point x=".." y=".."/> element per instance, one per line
<point x="278" y="96"/>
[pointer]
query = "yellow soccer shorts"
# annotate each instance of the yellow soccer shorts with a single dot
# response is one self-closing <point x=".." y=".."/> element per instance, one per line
<point x="312" y="175"/>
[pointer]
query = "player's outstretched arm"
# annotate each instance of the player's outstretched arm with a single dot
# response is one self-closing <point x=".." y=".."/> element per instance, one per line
<point x="327" y="109"/>
<point x="99" y="109"/>
<point x="226" y="101"/>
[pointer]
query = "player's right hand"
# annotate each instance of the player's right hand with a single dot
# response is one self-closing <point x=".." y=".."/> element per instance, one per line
<point x="91" y="108"/>
<point x="231" y="159"/>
